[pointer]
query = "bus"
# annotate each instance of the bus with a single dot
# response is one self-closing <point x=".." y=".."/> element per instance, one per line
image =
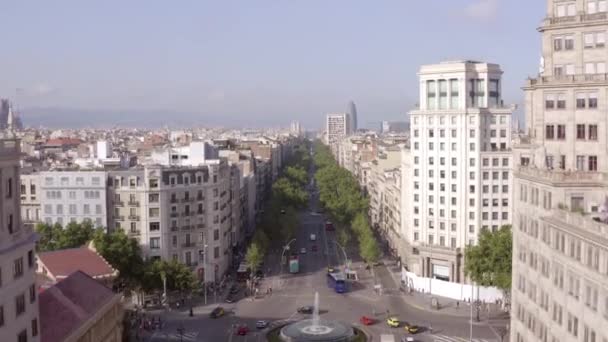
<point x="243" y="273"/>
<point x="294" y="264"/>
<point x="337" y="281"/>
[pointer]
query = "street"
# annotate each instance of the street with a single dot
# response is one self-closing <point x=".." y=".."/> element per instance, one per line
<point x="290" y="291"/>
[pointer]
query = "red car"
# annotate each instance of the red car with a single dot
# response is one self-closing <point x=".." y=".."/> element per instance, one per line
<point x="314" y="248"/>
<point x="366" y="320"/>
<point x="329" y="225"/>
<point x="242" y="330"/>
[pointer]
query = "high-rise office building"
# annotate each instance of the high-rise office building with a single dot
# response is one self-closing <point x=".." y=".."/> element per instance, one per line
<point x="456" y="176"/>
<point x="560" y="230"/>
<point x="4" y="110"/>
<point x="18" y="292"/>
<point x="352" y="110"/>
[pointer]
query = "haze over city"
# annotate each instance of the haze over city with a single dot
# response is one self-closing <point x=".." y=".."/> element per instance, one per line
<point x="247" y="63"/>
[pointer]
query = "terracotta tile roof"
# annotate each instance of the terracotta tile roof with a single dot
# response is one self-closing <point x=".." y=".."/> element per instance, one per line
<point x="63" y="141"/>
<point x="70" y="303"/>
<point x="64" y="262"/>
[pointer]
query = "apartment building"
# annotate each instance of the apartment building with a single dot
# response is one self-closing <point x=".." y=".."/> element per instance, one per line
<point x="560" y="244"/>
<point x="18" y="292"/>
<point x="337" y="126"/>
<point x="384" y="191"/>
<point x="178" y="213"/>
<point x="457" y="175"/>
<point x="71" y="196"/>
<point x="30" y="198"/>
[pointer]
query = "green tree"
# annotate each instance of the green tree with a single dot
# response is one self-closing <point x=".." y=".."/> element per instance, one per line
<point x="254" y="257"/>
<point x="369" y="249"/>
<point x="179" y="276"/>
<point x="123" y="253"/>
<point x="343" y="236"/>
<point x="48" y="237"/>
<point x="489" y="262"/>
<point x="75" y="235"/>
<point x="297" y="175"/>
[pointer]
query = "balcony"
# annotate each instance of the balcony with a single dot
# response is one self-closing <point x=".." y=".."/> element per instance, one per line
<point x="200" y="226"/>
<point x="568" y="79"/>
<point x="134" y="203"/>
<point x="187" y="200"/>
<point x="119" y="204"/>
<point x="200" y="212"/>
<point x="188" y="245"/>
<point x="187" y="213"/>
<point x="576" y="19"/>
<point x="563" y="177"/>
<point x="200" y="198"/>
<point x="134" y="217"/>
<point x="173" y="200"/>
<point x="192" y="264"/>
<point x="174" y="229"/>
<point x="174" y="215"/>
<point x="187" y="227"/>
<point x="134" y="233"/>
<point x="119" y="218"/>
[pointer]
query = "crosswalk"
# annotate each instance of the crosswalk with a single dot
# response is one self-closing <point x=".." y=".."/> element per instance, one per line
<point x="186" y="337"/>
<point x="445" y="338"/>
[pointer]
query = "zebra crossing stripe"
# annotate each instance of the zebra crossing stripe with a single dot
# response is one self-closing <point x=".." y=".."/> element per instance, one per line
<point x="445" y="338"/>
<point x="191" y="336"/>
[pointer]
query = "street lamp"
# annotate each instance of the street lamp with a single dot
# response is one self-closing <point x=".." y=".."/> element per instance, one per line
<point x="343" y="252"/>
<point x="285" y="248"/>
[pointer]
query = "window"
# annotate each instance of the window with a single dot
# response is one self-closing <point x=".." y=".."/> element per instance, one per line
<point x="35" y="327"/>
<point x="430" y="94"/>
<point x="592" y="132"/>
<point x="20" y="304"/>
<point x="17" y="268"/>
<point x="155" y="243"/>
<point x="592" y="163"/>
<point x="22" y="337"/>
<point x="30" y="261"/>
<point x="1" y="316"/>
<point x="580" y="163"/>
<point x="216" y="252"/>
<point x="443" y="94"/>
<point x="580" y="132"/>
<point x="154" y="226"/>
<point x="581" y="99"/>
<point x="561" y="101"/>
<point x="32" y="293"/>
<point x="454" y="93"/>
<point x="592" y="100"/>
<point x="561" y="132"/>
<point x="595" y="68"/>
<point x="550" y="101"/>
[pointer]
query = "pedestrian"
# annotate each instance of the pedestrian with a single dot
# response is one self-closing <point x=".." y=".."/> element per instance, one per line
<point x="457" y="304"/>
<point x="271" y="290"/>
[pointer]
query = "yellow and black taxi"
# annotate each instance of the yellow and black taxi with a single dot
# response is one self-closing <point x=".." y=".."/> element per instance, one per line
<point x="411" y="328"/>
<point x="217" y="312"/>
<point x="393" y="322"/>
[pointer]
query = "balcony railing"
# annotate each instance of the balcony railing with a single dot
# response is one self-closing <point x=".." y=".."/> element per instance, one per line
<point x="188" y="244"/>
<point x="187" y="227"/>
<point x="119" y="218"/>
<point x="581" y="18"/>
<point x="134" y="232"/>
<point x="174" y="229"/>
<point x="186" y="200"/>
<point x="568" y="79"/>
<point x="119" y="203"/>
<point x="563" y="176"/>
<point x="134" y="203"/>
<point x="173" y="200"/>
<point x="200" y="225"/>
<point x="187" y="213"/>
<point x="200" y="198"/>
<point x="192" y="264"/>
<point x="134" y="217"/>
<point x="174" y="214"/>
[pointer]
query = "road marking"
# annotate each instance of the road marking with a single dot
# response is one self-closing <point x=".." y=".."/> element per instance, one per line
<point x="187" y="336"/>
<point x="445" y="338"/>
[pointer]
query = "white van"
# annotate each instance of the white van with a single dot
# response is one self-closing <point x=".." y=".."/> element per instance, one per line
<point x="313" y="237"/>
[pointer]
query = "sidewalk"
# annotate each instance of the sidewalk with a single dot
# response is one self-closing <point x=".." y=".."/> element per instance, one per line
<point x="389" y="275"/>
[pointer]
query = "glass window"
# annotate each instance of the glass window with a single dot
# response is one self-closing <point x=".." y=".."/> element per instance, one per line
<point x="430" y="94"/>
<point x="443" y="94"/>
<point x="454" y="93"/>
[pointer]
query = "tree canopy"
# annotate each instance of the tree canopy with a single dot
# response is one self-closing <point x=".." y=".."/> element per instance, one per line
<point x="489" y="262"/>
<point x="54" y="237"/>
<point x="123" y="253"/>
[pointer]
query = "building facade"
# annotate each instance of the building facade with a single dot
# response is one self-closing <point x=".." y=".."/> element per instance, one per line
<point x="177" y="213"/>
<point x="18" y="292"/>
<point x="30" y="198"/>
<point x="560" y="244"/>
<point x="457" y="174"/>
<point x="73" y="196"/>
<point x="337" y="126"/>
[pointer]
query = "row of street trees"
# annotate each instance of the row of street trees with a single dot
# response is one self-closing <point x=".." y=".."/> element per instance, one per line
<point x="122" y="252"/>
<point x="279" y="219"/>
<point x="341" y="196"/>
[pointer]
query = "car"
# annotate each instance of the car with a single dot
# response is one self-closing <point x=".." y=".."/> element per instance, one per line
<point x="313" y="248"/>
<point x="242" y="330"/>
<point x="411" y="328"/>
<point x="393" y="322"/>
<point x="313" y="237"/>
<point x="217" y="312"/>
<point x="305" y="309"/>
<point x="329" y="225"/>
<point x="303" y="250"/>
<point x="261" y="324"/>
<point x="330" y="269"/>
<point x="366" y="320"/>
<point x="234" y="289"/>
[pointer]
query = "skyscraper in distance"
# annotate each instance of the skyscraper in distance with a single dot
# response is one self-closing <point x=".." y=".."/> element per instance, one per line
<point x="352" y="110"/>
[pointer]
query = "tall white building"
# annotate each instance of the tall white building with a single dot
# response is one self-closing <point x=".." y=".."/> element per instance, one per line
<point x="456" y="177"/>
<point x="18" y="292"/>
<point x="73" y="196"/>
<point x="337" y="126"/>
<point x="560" y="230"/>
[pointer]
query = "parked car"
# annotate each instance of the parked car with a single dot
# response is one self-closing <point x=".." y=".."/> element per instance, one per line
<point x="313" y="237"/>
<point x="305" y="309"/>
<point x="217" y="312"/>
<point x="229" y="300"/>
<point x="234" y="289"/>
<point x="303" y="250"/>
<point x="313" y="248"/>
<point x="329" y="225"/>
<point x="261" y="324"/>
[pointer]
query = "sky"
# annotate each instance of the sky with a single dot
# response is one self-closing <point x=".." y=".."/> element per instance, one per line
<point x="248" y="63"/>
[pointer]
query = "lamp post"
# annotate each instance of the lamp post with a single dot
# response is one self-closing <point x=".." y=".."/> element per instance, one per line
<point x="285" y="248"/>
<point x="343" y="252"/>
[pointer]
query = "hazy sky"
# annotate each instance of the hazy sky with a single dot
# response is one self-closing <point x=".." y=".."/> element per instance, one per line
<point x="253" y="62"/>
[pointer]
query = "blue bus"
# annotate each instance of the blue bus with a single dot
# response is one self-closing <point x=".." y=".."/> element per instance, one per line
<point x="337" y="281"/>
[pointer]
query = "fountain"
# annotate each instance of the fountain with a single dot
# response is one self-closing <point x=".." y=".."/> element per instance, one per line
<point x="317" y="329"/>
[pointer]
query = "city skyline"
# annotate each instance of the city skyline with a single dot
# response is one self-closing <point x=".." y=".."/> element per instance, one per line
<point x="197" y="69"/>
